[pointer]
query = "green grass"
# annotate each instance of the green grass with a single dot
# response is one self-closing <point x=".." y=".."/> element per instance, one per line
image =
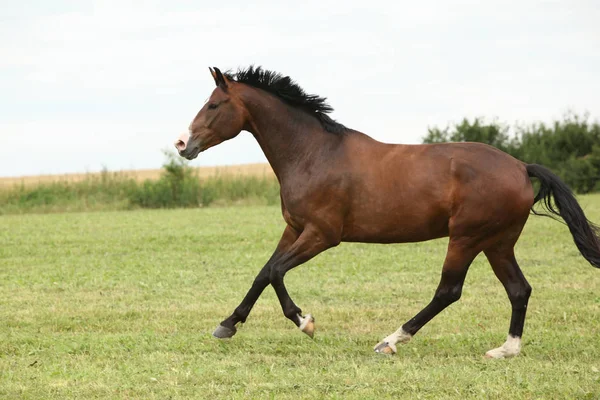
<point x="122" y="305"/>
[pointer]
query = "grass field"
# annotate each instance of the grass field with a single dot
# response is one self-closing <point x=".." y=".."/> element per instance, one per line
<point x="122" y="305"/>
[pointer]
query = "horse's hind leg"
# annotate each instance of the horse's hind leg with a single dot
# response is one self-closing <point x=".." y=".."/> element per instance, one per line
<point x="504" y="264"/>
<point x="458" y="259"/>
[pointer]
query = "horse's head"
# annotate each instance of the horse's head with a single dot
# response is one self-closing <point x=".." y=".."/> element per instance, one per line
<point x="222" y="118"/>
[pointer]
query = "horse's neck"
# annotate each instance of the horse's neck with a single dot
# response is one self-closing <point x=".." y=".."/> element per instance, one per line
<point x="289" y="138"/>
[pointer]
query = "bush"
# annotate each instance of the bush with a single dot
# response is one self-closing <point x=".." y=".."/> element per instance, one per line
<point x="178" y="186"/>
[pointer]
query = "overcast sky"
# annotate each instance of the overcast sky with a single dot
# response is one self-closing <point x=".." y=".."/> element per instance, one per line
<point x="92" y="84"/>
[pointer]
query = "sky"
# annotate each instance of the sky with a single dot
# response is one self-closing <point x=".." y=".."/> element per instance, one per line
<point x="87" y="85"/>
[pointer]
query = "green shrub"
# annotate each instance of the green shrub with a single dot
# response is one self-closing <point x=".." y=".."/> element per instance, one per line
<point x="178" y="186"/>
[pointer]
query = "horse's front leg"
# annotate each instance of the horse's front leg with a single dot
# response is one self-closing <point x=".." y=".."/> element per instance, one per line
<point x="227" y="328"/>
<point x="311" y="242"/>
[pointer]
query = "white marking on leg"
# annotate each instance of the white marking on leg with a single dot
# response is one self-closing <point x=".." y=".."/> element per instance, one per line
<point x="307" y="324"/>
<point x="304" y="321"/>
<point x="510" y="348"/>
<point x="399" y="336"/>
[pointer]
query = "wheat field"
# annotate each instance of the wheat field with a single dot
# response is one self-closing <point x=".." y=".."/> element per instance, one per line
<point x="258" y="169"/>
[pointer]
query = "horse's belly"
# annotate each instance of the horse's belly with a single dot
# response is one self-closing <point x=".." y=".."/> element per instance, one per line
<point x="399" y="227"/>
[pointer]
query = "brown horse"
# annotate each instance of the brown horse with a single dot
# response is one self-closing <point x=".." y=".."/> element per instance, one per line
<point x="338" y="184"/>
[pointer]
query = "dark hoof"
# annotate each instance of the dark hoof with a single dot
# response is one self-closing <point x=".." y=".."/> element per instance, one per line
<point x="223" y="332"/>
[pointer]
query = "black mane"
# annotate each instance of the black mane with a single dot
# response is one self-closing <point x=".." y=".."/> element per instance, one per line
<point x="290" y="92"/>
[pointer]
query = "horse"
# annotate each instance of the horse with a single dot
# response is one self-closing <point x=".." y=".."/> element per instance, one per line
<point x="340" y="185"/>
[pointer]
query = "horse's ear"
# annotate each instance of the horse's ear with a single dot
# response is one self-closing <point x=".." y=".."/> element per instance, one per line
<point x="220" y="79"/>
<point x="214" y="75"/>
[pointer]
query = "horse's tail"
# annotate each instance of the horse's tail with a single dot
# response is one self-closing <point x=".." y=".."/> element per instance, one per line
<point x="585" y="233"/>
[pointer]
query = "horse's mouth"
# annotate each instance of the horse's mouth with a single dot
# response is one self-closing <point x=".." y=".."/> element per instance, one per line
<point x="190" y="154"/>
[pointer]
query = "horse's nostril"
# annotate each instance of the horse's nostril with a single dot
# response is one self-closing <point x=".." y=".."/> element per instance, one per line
<point x="180" y="145"/>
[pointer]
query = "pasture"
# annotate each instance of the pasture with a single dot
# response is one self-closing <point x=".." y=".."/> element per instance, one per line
<point x="122" y="305"/>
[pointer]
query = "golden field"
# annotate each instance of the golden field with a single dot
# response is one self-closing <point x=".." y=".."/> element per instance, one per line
<point x="261" y="169"/>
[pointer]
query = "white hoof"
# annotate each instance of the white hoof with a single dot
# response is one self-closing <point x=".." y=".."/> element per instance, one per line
<point x="510" y="348"/>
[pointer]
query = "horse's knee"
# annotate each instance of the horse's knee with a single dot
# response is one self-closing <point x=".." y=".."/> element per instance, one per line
<point x="519" y="295"/>
<point x="263" y="279"/>
<point x="276" y="276"/>
<point x="449" y="295"/>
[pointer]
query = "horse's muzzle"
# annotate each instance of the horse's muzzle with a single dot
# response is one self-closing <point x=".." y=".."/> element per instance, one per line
<point x="185" y="149"/>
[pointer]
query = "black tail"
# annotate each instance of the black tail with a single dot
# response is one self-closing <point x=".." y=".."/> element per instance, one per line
<point x="585" y="233"/>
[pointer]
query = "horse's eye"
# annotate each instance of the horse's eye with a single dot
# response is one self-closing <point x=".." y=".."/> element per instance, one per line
<point x="212" y="106"/>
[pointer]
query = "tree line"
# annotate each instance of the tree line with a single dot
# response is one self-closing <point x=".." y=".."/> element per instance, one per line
<point x="570" y="147"/>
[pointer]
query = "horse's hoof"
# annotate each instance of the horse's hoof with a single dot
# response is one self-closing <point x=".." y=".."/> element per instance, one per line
<point x="500" y="353"/>
<point x="307" y="325"/>
<point x="510" y="348"/>
<point x="385" y="348"/>
<point x="223" y="332"/>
